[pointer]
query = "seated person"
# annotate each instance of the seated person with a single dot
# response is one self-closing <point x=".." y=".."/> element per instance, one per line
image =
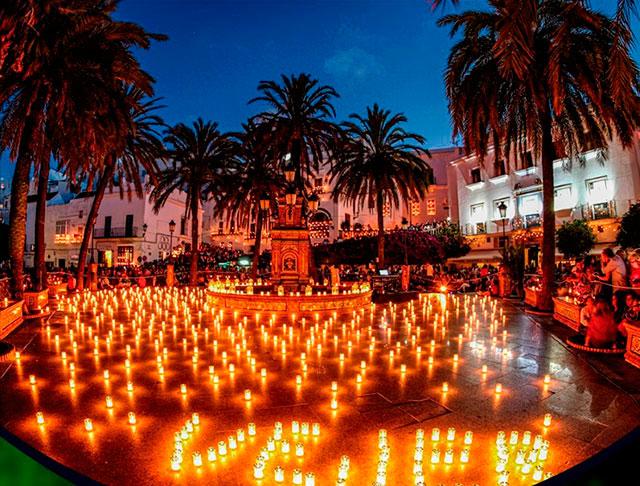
<point x="586" y="313"/>
<point x="104" y="282"/>
<point x="631" y="315"/>
<point x="602" y="330"/>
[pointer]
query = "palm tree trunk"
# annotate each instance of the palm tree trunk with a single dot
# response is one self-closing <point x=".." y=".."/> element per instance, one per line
<point x="380" y="204"/>
<point x="18" y="221"/>
<point x="19" y="193"/>
<point x="40" y="282"/>
<point x="193" y="269"/>
<point x="548" y="217"/>
<point x="91" y="222"/>
<point x="256" y="246"/>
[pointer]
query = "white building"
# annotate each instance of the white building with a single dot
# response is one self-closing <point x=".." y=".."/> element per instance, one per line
<point x="127" y="232"/>
<point x="599" y="188"/>
<point x="332" y="219"/>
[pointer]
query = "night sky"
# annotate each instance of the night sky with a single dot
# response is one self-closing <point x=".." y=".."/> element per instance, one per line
<point x="385" y="51"/>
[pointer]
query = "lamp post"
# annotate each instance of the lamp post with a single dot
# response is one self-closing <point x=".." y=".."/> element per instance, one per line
<point x="502" y="207"/>
<point x="172" y="228"/>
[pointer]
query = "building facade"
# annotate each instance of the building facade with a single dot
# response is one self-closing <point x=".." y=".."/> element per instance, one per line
<point x="599" y="187"/>
<point x="127" y="230"/>
<point x="334" y="220"/>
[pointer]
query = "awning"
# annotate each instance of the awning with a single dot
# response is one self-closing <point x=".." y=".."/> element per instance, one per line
<point x="478" y="256"/>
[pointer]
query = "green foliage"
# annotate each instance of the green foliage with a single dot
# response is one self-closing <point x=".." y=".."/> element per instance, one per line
<point x="629" y="234"/>
<point x="575" y="238"/>
<point x="417" y="247"/>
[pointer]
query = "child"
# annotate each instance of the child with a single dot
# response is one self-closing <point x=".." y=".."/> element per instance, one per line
<point x="586" y="313"/>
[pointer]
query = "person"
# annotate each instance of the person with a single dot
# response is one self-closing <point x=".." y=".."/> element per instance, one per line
<point x="619" y="304"/>
<point x="631" y="315"/>
<point x="602" y="329"/>
<point x="614" y="270"/>
<point x="586" y="313"/>
<point x="71" y="283"/>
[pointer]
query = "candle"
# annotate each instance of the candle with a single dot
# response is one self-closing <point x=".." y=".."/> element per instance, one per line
<point x="247" y="395"/>
<point x="258" y="470"/>
<point x="468" y="437"/>
<point x="278" y="474"/>
<point x="40" y="417"/>
<point x="197" y="459"/>
<point x="132" y="418"/>
<point x="299" y="449"/>
<point x="547" y="419"/>
<point x="32" y="379"/>
<point x="309" y="479"/>
<point x="435" y="434"/>
<point x="88" y="426"/>
<point x="464" y="455"/>
<point x="448" y="456"/>
<point x="435" y="456"/>
<point x="498" y="388"/>
<point x="211" y="454"/>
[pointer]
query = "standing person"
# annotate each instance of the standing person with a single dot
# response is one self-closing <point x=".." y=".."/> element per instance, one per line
<point x="614" y="271"/>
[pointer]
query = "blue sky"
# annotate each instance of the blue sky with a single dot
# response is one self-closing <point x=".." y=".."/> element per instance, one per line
<point x="385" y="51"/>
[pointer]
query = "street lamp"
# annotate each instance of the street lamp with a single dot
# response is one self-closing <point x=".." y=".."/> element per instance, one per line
<point x="314" y="202"/>
<point x="290" y="196"/>
<point x="289" y="172"/>
<point x="265" y="202"/>
<point x="172" y="228"/>
<point x="502" y="207"/>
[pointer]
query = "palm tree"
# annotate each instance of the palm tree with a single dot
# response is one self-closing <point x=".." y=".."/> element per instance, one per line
<point x="139" y="149"/>
<point x="379" y="163"/>
<point x="255" y="178"/>
<point x="298" y="117"/>
<point x="199" y="159"/>
<point x="556" y="92"/>
<point x="61" y="102"/>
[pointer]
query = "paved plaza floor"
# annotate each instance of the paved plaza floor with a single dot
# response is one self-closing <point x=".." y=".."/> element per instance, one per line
<point x="139" y="364"/>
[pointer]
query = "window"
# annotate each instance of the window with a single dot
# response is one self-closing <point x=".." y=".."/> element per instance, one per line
<point x="500" y="168"/>
<point x="220" y="227"/>
<point x="128" y="226"/>
<point x="530" y="204"/>
<point x="125" y="255"/>
<point x="475" y="175"/>
<point x="415" y="208"/>
<point x="318" y="183"/>
<point x="107" y="226"/>
<point x="62" y="227"/>
<point x="183" y="226"/>
<point x="431" y="206"/>
<point x="81" y="214"/>
<point x="496" y="211"/>
<point x="598" y="191"/>
<point x="477" y="213"/>
<point x="562" y="197"/>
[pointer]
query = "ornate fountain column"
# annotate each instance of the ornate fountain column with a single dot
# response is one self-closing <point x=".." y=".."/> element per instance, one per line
<point x="290" y="247"/>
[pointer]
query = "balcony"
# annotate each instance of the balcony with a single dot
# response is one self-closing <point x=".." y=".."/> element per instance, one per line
<point x="592" y="212"/>
<point x="122" y="232"/>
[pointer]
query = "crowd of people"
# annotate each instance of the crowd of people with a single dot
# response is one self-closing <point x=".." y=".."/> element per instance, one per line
<point x="610" y="291"/>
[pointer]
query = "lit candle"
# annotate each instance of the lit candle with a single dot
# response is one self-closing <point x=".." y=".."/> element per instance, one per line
<point x="468" y="437"/>
<point x="183" y="389"/>
<point x="448" y="456"/>
<point x="547" y="379"/>
<point x="435" y="456"/>
<point x="315" y="429"/>
<point x="32" y="379"/>
<point x="464" y="455"/>
<point x="197" y="459"/>
<point x="279" y="474"/>
<point x="547" y="419"/>
<point x="109" y="402"/>
<point x="247" y="395"/>
<point x="513" y="438"/>
<point x="88" y="425"/>
<point x="445" y="387"/>
<point x="40" y="418"/>
<point x="132" y="418"/>
<point x="309" y="479"/>
<point x="297" y="476"/>
<point x="211" y="454"/>
<point x="499" y="388"/>
<point x="305" y="428"/>
<point x="251" y="429"/>
<point x="222" y="448"/>
<point x="285" y="447"/>
<point x="451" y="434"/>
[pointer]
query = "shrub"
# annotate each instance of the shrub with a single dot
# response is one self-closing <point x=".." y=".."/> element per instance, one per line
<point x="575" y="238"/>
